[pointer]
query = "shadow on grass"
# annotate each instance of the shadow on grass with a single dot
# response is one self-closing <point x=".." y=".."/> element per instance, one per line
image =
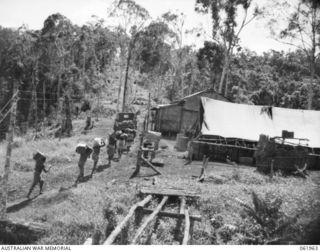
<point x="16" y="206"/>
<point x="101" y="168"/>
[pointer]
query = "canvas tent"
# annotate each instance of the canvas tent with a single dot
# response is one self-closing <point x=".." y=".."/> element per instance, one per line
<point x="230" y="120"/>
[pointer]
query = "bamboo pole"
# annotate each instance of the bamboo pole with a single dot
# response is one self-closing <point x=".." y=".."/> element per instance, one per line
<point x="225" y="145"/>
<point x="149" y="219"/>
<point x="186" y="228"/>
<point x="5" y="179"/>
<point x="172" y="215"/>
<point x="119" y="228"/>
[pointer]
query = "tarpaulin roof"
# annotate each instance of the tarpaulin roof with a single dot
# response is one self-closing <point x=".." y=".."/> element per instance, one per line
<point x="247" y="122"/>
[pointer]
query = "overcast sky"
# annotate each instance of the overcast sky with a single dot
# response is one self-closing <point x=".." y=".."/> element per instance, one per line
<point x="14" y="13"/>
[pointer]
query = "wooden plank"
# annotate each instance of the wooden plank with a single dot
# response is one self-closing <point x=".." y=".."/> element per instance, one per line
<point x="150" y="165"/>
<point x="191" y="230"/>
<point x="182" y="205"/>
<point x="186" y="228"/>
<point x="226" y="145"/>
<point x="119" y="228"/>
<point x="149" y="219"/>
<point x="34" y="227"/>
<point x="158" y="162"/>
<point x="169" y="192"/>
<point x="179" y="222"/>
<point x="171" y="215"/>
<point x="138" y="164"/>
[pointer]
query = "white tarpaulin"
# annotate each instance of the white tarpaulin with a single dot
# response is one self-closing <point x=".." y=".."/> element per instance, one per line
<point x="248" y="121"/>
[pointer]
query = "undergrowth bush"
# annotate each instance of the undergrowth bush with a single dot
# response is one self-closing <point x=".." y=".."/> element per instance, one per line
<point x="264" y="222"/>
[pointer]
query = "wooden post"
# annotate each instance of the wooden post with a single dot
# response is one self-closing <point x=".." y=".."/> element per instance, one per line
<point x="122" y="225"/>
<point x="5" y="179"/>
<point x="179" y="221"/>
<point x="191" y="229"/>
<point x="149" y="219"/>
<point x="186" y="228"/>
<point x="203" y="168"/>
<point x="271" y="168"/>
<point x="148" y="115"/>
<point x="138" y="165"/>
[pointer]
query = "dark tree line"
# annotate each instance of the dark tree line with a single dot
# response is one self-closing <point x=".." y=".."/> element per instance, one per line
<point x="63" y="63"/>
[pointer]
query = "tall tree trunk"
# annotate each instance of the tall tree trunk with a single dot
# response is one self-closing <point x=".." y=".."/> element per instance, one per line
<point x="120" y="84"/>
<point x="126" y="79"/>
<point x="44" y="105"/>
<point x="59" y="91"/>
<point x="224" y="71"/>
<point x="310" y="88"/>
<point x="312" y="57"/>
<point x="67" y="122"/>
<point x="36" y="81"/>
<point x="227" y="84"/>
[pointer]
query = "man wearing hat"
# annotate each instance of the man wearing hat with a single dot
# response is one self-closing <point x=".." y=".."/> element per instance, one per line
<point x="40" y="160"/>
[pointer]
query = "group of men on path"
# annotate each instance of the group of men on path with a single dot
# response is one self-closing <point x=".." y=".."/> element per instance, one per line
<point x="117" y="142"/>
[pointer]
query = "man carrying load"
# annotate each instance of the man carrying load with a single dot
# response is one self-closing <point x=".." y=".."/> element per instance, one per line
<point x="85" y="152"/>
<point x="111" y="148"/>
<point x="97" y="144"/>
<point x="40" y="160"/>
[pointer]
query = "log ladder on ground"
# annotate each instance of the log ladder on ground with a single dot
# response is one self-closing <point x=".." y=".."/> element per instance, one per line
<point x="140" y="210"/>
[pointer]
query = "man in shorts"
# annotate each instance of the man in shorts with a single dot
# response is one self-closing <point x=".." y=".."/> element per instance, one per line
<point x="39" y="168"/>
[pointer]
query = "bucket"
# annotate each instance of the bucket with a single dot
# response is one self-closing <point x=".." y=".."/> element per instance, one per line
<point x="181" y="142"/>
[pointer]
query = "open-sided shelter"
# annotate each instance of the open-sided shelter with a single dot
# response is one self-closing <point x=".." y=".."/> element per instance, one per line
<point x="240" y="125"/>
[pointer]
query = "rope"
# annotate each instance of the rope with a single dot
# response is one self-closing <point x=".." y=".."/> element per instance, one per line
<point x="8" y="102"/>
<point x="4" y="117"/>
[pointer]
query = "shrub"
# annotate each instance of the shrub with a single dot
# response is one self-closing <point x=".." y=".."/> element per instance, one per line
<point x="265" y="223"/>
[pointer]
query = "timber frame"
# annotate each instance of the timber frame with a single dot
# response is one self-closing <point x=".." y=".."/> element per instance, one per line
<point x="144" y="217"/>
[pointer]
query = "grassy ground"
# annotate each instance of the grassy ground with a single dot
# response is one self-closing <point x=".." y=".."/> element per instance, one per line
<point x="75" y="214"/>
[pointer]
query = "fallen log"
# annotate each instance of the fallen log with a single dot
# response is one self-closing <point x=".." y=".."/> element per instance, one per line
<point x="119" y="228"/>
<point x="149" y="219"/>
<point x="186" y="228"/>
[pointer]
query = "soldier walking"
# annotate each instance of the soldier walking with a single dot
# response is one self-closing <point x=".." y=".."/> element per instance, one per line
<point x="39" y="167"/>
